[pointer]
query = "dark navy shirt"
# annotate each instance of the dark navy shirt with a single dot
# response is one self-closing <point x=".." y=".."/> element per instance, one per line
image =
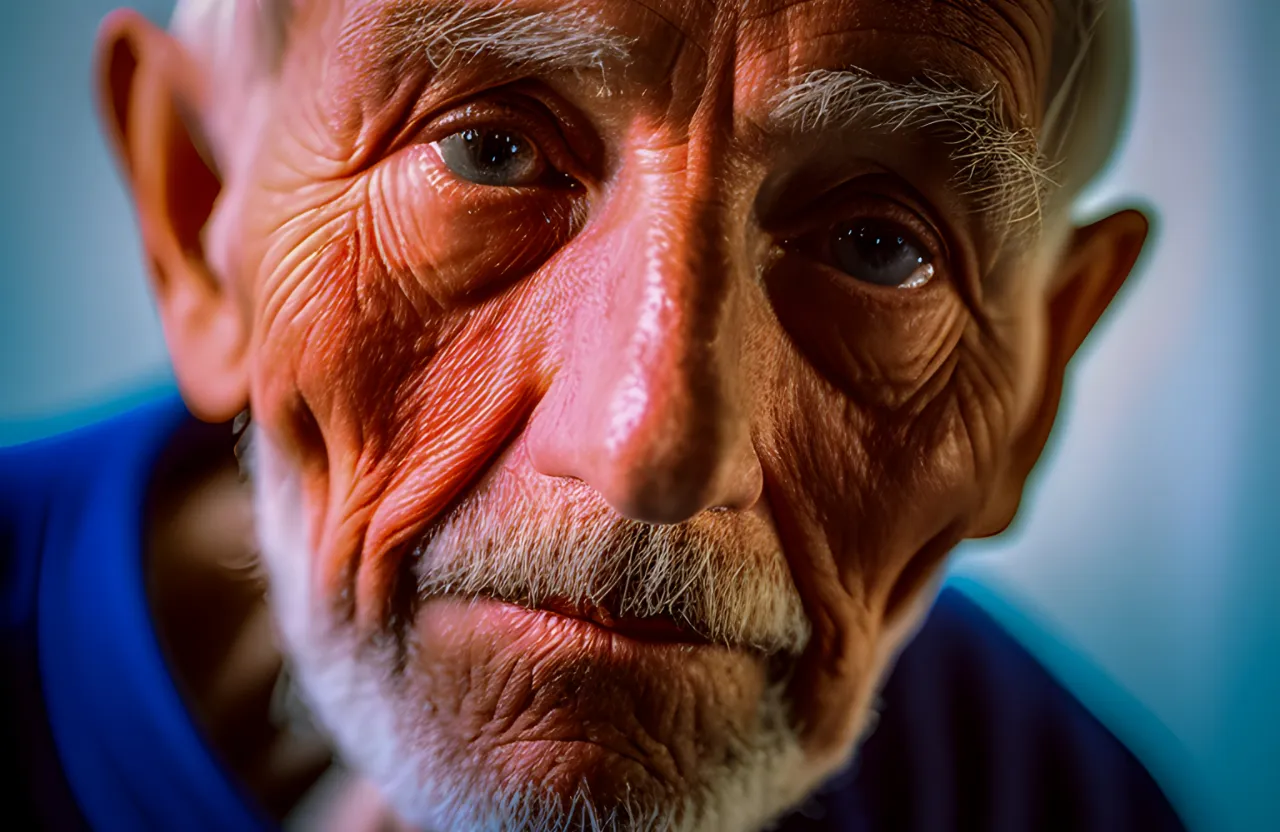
<point x="973" y="733"/>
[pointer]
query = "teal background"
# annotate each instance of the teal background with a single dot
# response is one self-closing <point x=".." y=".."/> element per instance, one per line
<point x="1143" y="569"/>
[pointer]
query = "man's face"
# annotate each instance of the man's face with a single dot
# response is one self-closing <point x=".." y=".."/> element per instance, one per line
<point x="622" y="371"/>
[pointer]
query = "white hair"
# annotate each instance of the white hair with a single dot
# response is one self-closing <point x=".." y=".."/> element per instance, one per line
<point x="1002" y="168"/>
<point x="238" y="44"/>
<point x="433" y="779"/>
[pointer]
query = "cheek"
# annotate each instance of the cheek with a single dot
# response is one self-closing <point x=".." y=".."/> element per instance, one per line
<point x="878" y="486"/>
<point x="388" y="401"/>
<point x="868" y="500"/>
<point x="894" y="418"/>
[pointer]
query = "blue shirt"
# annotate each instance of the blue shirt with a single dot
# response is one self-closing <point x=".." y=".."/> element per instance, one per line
<point x="973" y="733"/>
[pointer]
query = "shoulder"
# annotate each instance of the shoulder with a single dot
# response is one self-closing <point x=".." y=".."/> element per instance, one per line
<point x="47" y="491"/>
<point x="975" y="734"/>
<point x="47" y="483"/>
<point x="36" y="473"/>
<point x="43" y="461"/>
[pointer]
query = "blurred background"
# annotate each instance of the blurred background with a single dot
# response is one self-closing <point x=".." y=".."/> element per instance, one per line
<point x="1144" y="570"/>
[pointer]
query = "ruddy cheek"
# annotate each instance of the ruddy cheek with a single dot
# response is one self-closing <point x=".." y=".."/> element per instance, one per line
<point x="397" y="369"/>
<point x="454" y="418"/>
<point x="386" y="412"/>
<point x="302" y="323"/>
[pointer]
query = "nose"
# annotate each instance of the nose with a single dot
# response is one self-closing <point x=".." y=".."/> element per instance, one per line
<point x="649" y="404"/>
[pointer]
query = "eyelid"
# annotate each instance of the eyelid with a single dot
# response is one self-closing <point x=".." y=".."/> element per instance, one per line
<point x="811" y="231"/>
<point x="893" y="200"/>
<point x="504" y="115"/>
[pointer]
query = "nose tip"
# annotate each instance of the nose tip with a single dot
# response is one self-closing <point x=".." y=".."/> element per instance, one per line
<point x="669" y="473"/>
<point x="658" y="458"/>
<point x="661" y="434"/>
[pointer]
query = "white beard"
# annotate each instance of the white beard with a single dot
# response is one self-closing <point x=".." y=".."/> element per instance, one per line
<point x="414" y="766"/>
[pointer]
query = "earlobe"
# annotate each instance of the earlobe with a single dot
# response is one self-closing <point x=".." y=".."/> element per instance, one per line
<point x="149" y="92"/>
<point x="1096" y="264"/>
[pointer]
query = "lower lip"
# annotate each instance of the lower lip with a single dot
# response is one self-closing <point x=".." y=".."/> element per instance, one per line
<point x="655" y="630"/>
<point x="571" y="696"/>
<point x="473" y="617"/>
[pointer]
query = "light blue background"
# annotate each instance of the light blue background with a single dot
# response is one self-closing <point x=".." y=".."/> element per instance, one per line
<point x="1143" y="569"/>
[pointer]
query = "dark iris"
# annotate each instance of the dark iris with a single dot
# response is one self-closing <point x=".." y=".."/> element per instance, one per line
<point x="491" y="157"/>
<point x="877" y="251"/>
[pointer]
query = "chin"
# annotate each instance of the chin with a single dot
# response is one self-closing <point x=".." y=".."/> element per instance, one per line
<point x="493" y="714"/>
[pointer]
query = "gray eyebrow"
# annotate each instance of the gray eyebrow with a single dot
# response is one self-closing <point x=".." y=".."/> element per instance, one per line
<point x="1002" y="167"/>
<point x="450" y="33"/>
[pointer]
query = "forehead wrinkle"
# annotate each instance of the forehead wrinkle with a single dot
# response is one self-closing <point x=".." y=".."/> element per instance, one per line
<point x="694" y="26"/>
<point x="444" y="34"/>
<point x="1026" y="30"/>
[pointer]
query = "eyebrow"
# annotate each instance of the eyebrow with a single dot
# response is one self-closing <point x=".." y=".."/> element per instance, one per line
<point x="450" y="34"/>
<point x="1002" y="168"/>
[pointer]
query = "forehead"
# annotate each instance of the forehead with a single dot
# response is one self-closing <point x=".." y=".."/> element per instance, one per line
<point x="768" y="44"/>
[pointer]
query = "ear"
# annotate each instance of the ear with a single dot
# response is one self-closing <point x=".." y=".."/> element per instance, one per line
<point x="1097" y="261"/>
<point x="149" y="91"/>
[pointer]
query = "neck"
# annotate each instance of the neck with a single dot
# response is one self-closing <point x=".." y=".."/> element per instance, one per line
<point x="208" y="603"/>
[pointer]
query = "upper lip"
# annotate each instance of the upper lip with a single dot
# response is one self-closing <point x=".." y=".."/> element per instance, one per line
<point x="650" y="628"/>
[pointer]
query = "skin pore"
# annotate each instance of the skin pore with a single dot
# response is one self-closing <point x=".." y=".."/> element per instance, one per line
<point x="663" y="336"/>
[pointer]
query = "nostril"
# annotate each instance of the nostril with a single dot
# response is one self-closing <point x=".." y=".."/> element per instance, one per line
<point x="666" y="494"/>
<point x="657" y="476"/>
<point x="659" y="506"/>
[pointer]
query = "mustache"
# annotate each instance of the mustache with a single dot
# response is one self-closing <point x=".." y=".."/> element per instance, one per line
<point x="722" y="575"/>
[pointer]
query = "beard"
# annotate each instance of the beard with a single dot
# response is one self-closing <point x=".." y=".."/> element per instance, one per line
<point x="718" y="578"/>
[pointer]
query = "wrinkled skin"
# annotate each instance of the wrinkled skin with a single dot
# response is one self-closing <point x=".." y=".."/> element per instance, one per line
<point x="652" y="333"/>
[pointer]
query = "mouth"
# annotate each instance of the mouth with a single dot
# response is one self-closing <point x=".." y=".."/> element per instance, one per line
<point x="579" y="624"/>
<point x="578" y="694"/>
<point x="652" y="629"/>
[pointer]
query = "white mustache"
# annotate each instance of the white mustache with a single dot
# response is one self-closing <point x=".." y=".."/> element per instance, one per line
<point x="713" y="575"/>
<point x="722" y="573"/>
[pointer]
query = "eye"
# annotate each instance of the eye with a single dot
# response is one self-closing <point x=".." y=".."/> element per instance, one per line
<point x="496" y="157"/>
<point x="881" y="252"/>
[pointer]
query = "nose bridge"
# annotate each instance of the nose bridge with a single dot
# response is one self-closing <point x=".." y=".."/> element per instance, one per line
<point x="656" y="421"/>
<point x="682" y="344"/>
<point x="673" y="310"/>
<point x="674" y="420"/>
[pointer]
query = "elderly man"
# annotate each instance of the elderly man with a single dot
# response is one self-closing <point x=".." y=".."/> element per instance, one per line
<point x="613" y="378"/>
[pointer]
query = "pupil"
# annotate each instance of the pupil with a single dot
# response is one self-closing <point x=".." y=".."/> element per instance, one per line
<point x="881" y="246"/>
<point x="493" y="149"/>
<point x="877" y="252"/>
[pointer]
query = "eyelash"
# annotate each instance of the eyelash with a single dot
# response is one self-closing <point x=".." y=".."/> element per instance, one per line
<point x="810" y="233"/>
<point x="502" y="115"/>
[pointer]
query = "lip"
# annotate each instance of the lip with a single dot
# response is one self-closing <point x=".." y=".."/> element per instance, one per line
<point x="588" y="703"/>
<point x="570" y="635"/>
<point x="653" y="629"/>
